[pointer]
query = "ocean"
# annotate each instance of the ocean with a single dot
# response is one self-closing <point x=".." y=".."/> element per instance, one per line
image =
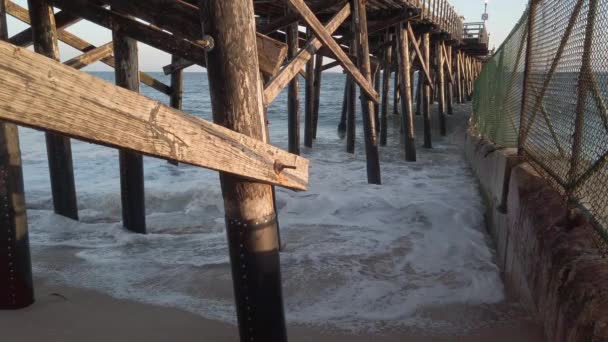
<point x="356" y="256"/>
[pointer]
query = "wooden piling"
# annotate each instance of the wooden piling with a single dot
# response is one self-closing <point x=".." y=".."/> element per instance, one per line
<point x="377" y="86"/>
<point x="293" y="100"/>
<point x="367" y="105"/>
<point x="131" y="163"/>
<point x="419" y="93"/>
<point x="351" y="121"/>
<point x="16" y="284"/>
<point x="450" y="84"/>
<point x="59" y="148"/>
<point x="426" y="101"/>
<point x="396" y="93"/>
<point x="177" y="90"/>
<point x="309" y="98"/>
<point x="441" y="86"/>
<point x="317" y="94"/>
<point x="342" y="124"/>
<point x="388" y="63"/>
<point x="250" y="217"/>
<point x="406" y="94"/>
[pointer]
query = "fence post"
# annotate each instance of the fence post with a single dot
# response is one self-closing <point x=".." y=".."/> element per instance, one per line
<point x="531" y="15"/>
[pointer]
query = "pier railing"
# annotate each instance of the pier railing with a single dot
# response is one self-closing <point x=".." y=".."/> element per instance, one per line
<point x="544" y="92"/>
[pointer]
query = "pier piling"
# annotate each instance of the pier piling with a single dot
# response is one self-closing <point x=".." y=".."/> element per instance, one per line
<point x="131" y="163"/>
<point x="16" y="284"/>
<point x="250" y="217"/>
<point x="59" y="148"/>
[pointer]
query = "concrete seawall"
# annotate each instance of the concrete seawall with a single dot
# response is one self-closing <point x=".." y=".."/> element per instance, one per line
<point x="548" y="253"/>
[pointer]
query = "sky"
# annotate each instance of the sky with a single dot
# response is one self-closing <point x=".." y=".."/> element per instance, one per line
<point x="504" y="14"/>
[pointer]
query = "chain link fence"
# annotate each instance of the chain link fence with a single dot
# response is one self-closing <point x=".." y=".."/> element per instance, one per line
<point x="562" y="124"/>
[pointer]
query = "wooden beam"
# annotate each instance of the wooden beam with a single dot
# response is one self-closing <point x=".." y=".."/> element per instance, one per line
<point x="285" y="76"/>
<point x="84" y="107"/>
<point x="181" y="19"/>
<point x="294" y="16"/>
<point x="62" y="20"/>
<point x="91" y="56"/>
<point x="331" y="65"/>
<point x="22" y="14"/>
<point x="142" y="32"/>
<point x="325" y="37"/>
<point x="407" y="121"/>
<point x="271" y="52"/>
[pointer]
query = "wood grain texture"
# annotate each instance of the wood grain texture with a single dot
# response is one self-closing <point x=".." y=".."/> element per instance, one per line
<point x="87" y="108"/>
<point x="328" y="41"/>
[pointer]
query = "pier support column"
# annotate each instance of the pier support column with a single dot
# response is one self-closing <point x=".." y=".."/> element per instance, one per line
<point x="406" y="94"/>
<point x="131" y="164"/>
<point x="450" y="84"/>
<point x="16" y="285"/>
<point x="177" y="90"/>
<point x="342" y="124"/>
<point x="309" y="106"/>
<point x="396" y="94"/>
<point x="367" y="105"/>
<point x="317" y="94"/>
<point x="250" y="218"/>
<point x="351" y="121"/>
<point x="293" y="101"/>
<point x="440" y="88"/>
<point x="59" y="148"/>
<point x="386" y="79"/>
<point x="426" y="99"/>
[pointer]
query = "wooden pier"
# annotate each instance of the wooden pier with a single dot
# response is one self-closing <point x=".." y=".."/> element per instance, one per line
<point x="371" y="40"/>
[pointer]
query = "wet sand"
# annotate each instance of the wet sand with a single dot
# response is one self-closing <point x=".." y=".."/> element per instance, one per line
<point x="66" y="314"/>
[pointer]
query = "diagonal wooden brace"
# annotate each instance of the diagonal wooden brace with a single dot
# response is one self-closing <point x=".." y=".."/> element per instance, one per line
<point x="295" y="66"/>
<point x="416" y="45"/>
<point x="325" y="37"/>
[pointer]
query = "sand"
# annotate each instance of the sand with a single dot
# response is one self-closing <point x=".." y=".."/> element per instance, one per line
<point x="66" y="314"/>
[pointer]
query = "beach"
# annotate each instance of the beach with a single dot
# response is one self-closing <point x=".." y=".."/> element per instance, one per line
<point x="408" y="260"/>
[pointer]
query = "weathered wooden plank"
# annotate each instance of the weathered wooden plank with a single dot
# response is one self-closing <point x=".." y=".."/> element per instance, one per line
<point x="87" y="108"/>
<point x="22" y="14"/>
<point x="282" y="79"/>
<point x="91" y="56"/>
<point x="327" y="40"/>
